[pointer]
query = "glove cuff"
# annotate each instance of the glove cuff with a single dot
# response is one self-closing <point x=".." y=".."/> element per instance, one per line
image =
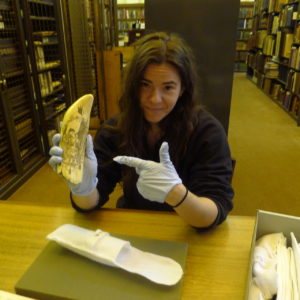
<point x="86" y="190"/>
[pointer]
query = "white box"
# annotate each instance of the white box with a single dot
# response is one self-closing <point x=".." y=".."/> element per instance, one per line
<point x="269" y="222"/>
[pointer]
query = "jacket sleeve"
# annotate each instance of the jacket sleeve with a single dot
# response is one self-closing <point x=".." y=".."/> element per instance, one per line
<point x="210" y="168"/>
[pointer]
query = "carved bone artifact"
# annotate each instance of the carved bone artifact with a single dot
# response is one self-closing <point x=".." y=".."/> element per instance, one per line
<point x="74" y="130"/>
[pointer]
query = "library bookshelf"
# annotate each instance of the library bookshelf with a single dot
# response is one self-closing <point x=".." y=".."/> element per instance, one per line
<point x="131" y="23"/>
<point x="244" y="31"/>
<point x="21" y="148"/>
<point x="273" y="62"/>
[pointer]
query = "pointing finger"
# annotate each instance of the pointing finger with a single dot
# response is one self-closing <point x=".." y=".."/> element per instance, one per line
<point x="130" y="161"/>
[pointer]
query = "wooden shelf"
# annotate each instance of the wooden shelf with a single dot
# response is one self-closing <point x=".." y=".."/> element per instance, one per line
<point x="130" y="19"/>
<point x="280" y="81"/>
<point x="46" y="44"/>
<point x="42" y="2"/>
<point x="42" y="18"/>
<point x="132" y="5"/>
<point x="56" y="90"/>
<point x="246" y="3"/>
<point x="55" y="114"/>
<point x="291" y="3"/>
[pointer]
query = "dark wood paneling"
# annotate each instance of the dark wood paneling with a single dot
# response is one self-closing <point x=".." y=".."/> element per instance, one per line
<point x="209" y="26"/>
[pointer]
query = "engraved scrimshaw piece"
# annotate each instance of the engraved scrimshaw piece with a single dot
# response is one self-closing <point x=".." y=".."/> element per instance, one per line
<point x="74" y="130"/>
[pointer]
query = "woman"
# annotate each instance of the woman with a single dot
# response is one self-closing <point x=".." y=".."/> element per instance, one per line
<point x="168" y="153"/>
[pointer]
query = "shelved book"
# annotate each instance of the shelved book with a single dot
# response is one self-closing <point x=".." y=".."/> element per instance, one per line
<point x="278" y="43"/>
<point x="297" y="34"/>
<point x="275" y="24"/>
<point x="287" y="16"/>
<point x="261" y="34"/>
<point x="243" y="35"/>
<point x="130" y="13"/>
<point x="271" y="69"/>
<point x="246" y="12"/>
<point x="267" y="85"/>
<point x="295" y="58"/>
<point x="295" y="106"/>
<point x="271" y="5"/>
<point x="295" y="87"/>
<point x="287" y="45"/>
<point x="275" y="90"/>
<point x="268" y="45"/>
<point x="245" y="24"/>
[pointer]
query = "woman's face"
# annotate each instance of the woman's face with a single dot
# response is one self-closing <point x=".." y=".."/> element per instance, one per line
<point x="160" y="88"/>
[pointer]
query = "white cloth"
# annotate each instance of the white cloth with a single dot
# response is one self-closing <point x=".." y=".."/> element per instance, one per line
<point x="295" y="268"/>
<point x="270" y="242"/>
<point x="293" y="276"/>
<point x="276" y="268"/>
<point x="103" y="248"/>
<point x="265" y="275"/>
<point x="283" y="292"/>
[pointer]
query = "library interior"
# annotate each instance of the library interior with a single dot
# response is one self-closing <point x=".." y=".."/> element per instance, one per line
<point x="55" y="51"/>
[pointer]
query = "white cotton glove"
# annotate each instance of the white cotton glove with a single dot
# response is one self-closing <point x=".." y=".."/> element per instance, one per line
<point x="265" y="263"/>
<point x="155" y="179"/>
<point x="89" y="178"/>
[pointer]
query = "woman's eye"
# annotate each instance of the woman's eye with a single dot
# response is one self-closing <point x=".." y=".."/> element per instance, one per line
<point x="144" y="84"/>
<point x="169" y="87"/>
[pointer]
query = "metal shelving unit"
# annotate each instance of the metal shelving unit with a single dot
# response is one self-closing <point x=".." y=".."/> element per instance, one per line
<point x="21" y="148"/>
<point x="47" y="54"/>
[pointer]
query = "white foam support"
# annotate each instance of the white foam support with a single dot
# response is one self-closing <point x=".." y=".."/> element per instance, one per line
<point x="101" y="247"/>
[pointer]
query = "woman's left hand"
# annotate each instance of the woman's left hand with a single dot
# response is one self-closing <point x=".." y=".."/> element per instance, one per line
<point x="155" y="179"/>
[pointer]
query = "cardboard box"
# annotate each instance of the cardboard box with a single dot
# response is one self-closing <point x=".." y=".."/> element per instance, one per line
<point x="269" y="222"/>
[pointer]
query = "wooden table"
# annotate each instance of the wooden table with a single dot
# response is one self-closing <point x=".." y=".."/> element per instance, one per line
<point x="217" y="262"/>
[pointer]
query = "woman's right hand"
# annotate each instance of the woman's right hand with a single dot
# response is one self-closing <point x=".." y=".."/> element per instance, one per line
<point x="90" y="166"/>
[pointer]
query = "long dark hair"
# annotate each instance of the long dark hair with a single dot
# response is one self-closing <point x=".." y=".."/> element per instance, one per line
<point x="157" y="48"/>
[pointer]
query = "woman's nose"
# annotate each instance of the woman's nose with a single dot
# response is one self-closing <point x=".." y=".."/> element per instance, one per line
<point x="155" y="96"/>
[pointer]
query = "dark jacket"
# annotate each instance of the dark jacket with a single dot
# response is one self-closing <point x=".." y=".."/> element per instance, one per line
<point x="205" y="169"/>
